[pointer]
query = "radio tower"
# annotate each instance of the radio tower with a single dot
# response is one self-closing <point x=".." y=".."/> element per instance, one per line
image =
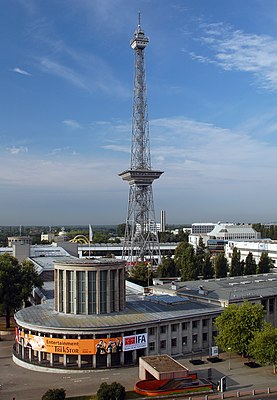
<point x="141" y="243"/>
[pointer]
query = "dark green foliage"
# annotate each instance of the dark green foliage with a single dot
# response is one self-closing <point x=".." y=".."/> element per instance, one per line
<point x="115" y="391"/>
<point x="264" y="264"/>
<point x="263" y="347"/>
<point x="189" y="271"/>
<point x="267" y="231"/>
<point x="207" y="270"/>
<point x="141" y="274"/>
<point x="54" y="394"/>
<point x="167" y="268"/>
<point x="236" y="268"/>
<point x="250" y="265"/>
<point x="220" y="266"/>
<point x="16" y="283"/>
<point x="121" y="229"/>
<point x="237" y="325"/>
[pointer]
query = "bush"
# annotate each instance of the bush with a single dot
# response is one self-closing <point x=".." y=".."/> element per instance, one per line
<point x="115" y="391"/>
<point x="54" y="394"/>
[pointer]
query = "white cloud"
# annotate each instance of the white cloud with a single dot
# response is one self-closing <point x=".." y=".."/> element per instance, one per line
<point x="21" y="71"/>
<point x="17" y="150"/>
<point x="71" y="123"/>
<point x="239" y="51"/>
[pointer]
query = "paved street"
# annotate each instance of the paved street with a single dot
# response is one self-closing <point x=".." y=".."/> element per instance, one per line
<point x="23" y="384"/>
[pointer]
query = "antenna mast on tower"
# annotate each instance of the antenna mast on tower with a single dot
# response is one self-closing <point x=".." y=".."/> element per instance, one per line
<point x="141" y="243"/>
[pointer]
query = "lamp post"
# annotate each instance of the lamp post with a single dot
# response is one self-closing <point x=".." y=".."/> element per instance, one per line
<point x="229" y="348"/>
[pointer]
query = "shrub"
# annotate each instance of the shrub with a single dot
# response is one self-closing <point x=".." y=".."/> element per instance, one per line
<point x="115" y="391"/>
<point x="54" y="394"/>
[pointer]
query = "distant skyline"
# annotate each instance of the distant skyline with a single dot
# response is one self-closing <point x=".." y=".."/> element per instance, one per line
<point x="66" y="105"/>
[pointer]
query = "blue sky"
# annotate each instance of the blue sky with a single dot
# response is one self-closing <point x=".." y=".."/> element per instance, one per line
<point x="66" y="98"/>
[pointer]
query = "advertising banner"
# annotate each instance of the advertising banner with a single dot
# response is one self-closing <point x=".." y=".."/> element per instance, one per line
<point x="72" y="346"/>
<point x="135" y="342"/>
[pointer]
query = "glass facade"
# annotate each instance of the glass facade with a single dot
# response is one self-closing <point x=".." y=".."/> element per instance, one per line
<point x="81" y="292"/>
<point x="92" y="292"/>
<point x="70" y="286"/>
<point x="103" y="291"/>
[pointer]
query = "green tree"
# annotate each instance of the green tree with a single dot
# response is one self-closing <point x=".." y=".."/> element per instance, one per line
<point x="250" y="265"/>
<point x="179" y="255"/>
<point x="167" y="268"/>
<point x="207" y="271"/>
<point x="220" y="266"/>
<point x="121" y="229"/>
<point x="141" y="274"/>
<point x="236" y="265"/>
<point x="237" y="325"/>
<point x="264" y="264"/>
<point x="54" y="394"/>
<point x="200" y="256"/>
<point x="16" y="284"/>
<point x="189" y="271"/>
<point x="263" y="346"/>
<point x="114" y="391"/>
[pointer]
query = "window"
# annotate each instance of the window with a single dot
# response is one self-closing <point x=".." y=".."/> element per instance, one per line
<point x="61" y="291"/>
<point x="271" y="306"/>
<point x="185" y="326"/>
<point x="152" y="346"/>
<point x="205" y="322"/>
<point x="151" y="331"/>
<point x="264" y="304"/>
<point x="185" y="340"/>
<point x="112" y="290"/>
<point x="163" y="344"/>
<point x="194" y="324"/>
<point x="174" y="327"/>
<point x="163" y="329"/>
<point x="92" y="292"/>
<point x="173" y="342"/>
<point x="70" y="285"/>
<point x="103" y="291"/>
<point x="194" y="339"/>
<point x="81" y="292"/>
<point x="205" y="337"/>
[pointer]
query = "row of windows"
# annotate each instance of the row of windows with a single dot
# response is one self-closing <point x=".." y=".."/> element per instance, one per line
<point x="174" y="342"/>
<point x="185" y="326"/>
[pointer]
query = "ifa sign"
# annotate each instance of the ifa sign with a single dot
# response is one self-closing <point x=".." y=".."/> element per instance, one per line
<point x="135" y="342"/>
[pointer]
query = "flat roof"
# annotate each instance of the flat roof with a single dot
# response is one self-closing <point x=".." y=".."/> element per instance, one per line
<point x="164" y="363"/>
<point x="139" y="311"/>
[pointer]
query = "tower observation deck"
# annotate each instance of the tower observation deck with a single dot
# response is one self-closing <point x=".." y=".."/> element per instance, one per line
<point x="141" y="242"/>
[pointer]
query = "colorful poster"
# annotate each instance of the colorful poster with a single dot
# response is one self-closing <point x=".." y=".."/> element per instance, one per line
<point x="135" y="342"/>
<point x="72" y="346"/>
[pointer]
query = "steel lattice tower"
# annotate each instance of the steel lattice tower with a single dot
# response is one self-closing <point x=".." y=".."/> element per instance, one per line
<point x="141" y="242"/>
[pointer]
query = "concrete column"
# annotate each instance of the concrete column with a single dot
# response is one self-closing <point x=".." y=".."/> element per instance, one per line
<point x="75" y="295"/>
<point x="108" y="298"/>
<point x="134" y="352"/>
<point x="51" y="355"/>
<point x="97" y="292"/>
<point x="117" y="294"/>
<point x="179" y="339"/>
<point x="86" y="285"/>
<point x="168" y="339"/>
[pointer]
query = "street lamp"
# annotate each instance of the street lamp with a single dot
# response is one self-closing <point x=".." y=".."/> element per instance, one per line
<point x="229" y="348"/>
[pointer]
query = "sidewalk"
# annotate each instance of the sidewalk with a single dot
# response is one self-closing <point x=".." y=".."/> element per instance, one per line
<point x="239" y="377"/>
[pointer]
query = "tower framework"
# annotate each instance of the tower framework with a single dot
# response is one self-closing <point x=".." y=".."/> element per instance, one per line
<point x="141" y="242"/>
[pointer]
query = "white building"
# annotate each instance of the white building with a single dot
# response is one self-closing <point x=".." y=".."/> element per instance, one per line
<point x="256" y="247"/>
<point x="227" y="231"/>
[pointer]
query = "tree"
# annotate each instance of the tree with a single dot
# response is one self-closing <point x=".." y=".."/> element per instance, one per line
<point x="167" y="268"/>
<point x="263" y="346"/>
<point x="236" y="265"/>
<point x="54" y="394"/>
<point x="179" y="255"/>
<point x="220" y="266"/>
<point x="237" y="325"/>
<point x="250" y="265"/>
<point x="141" y="274"/>
<point x="207" y="271"/>
<point x="200" y="256"/>
<point x="189" y="271"/>
<point x="121" y="229"/>
<point x="16" y="283"/>
<point x="264" y="264"/>
<point x="115" y="391"/>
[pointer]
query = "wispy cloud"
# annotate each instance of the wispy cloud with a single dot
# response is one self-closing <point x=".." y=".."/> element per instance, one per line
<point x="21" y="71"/>
<point x="71" y="123"/>
<point x="17" y="150"/>
<point x="235" y="50"/>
